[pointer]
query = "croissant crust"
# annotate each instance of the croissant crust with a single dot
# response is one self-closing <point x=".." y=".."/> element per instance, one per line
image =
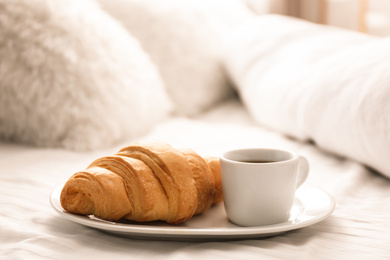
<point x="145" y="182"/>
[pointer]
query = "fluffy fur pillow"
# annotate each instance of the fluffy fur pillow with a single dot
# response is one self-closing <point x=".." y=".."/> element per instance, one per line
<point x="184" y="39"/>
<point x="316" y="83"/>
<point x="71" y="76"/>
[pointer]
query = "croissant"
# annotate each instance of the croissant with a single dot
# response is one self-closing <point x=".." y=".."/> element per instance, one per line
<point x="145" y="182"/>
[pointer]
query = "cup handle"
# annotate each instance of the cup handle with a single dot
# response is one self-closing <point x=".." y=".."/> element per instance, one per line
<point x="303" y="171"/>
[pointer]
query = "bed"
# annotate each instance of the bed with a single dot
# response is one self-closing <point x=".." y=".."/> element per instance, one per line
<point x="345" y="138"/>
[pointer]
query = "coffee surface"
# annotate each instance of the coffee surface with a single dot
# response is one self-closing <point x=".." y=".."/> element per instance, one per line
<point x="258" y="161"/>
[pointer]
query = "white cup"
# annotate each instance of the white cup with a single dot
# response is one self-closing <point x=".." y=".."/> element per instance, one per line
<point x="259" y="184"/>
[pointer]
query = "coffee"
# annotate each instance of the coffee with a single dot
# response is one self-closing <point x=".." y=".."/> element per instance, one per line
<point x="250" y="178"/>
<point x="257" y="161"/>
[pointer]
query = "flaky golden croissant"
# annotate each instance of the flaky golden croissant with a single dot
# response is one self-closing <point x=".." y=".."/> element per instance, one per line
<point x="145" y="183"/>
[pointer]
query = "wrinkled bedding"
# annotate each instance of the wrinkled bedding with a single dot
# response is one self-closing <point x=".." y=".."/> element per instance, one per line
<point x="359" y="227"/>
<point x="281" y="85"/>
<point x="318" y="83"/>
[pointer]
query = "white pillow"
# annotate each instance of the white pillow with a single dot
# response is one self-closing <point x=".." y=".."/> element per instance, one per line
<point x="184" y="39"/>
<point x="71" y="76"/>
<point x="316" y="83"/>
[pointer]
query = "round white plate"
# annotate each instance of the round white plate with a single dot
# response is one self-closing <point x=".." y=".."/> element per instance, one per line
<point x="311" y="206"/>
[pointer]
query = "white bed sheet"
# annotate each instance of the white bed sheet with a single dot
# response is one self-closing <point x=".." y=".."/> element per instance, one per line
<point x="30" y="229"/>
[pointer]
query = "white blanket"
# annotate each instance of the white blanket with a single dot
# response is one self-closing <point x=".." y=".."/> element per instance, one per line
<point x="31" y="229"/>
<point x="316" y="83"/>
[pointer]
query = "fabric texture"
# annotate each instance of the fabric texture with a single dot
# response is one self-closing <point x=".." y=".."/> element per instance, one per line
<point x="30" y="229"/>
<point x="73" y="77"/>
<point x="316" y="83"/>
<point x="184" y="39"/>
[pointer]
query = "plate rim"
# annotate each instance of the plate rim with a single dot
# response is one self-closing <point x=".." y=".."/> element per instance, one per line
<point x="134" y="230"/>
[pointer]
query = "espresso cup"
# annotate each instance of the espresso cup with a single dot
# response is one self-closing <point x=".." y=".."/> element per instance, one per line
<point x="259" y="184"/>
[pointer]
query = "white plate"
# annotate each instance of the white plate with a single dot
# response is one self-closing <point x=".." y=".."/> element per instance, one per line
<point x="311" y="206"/>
